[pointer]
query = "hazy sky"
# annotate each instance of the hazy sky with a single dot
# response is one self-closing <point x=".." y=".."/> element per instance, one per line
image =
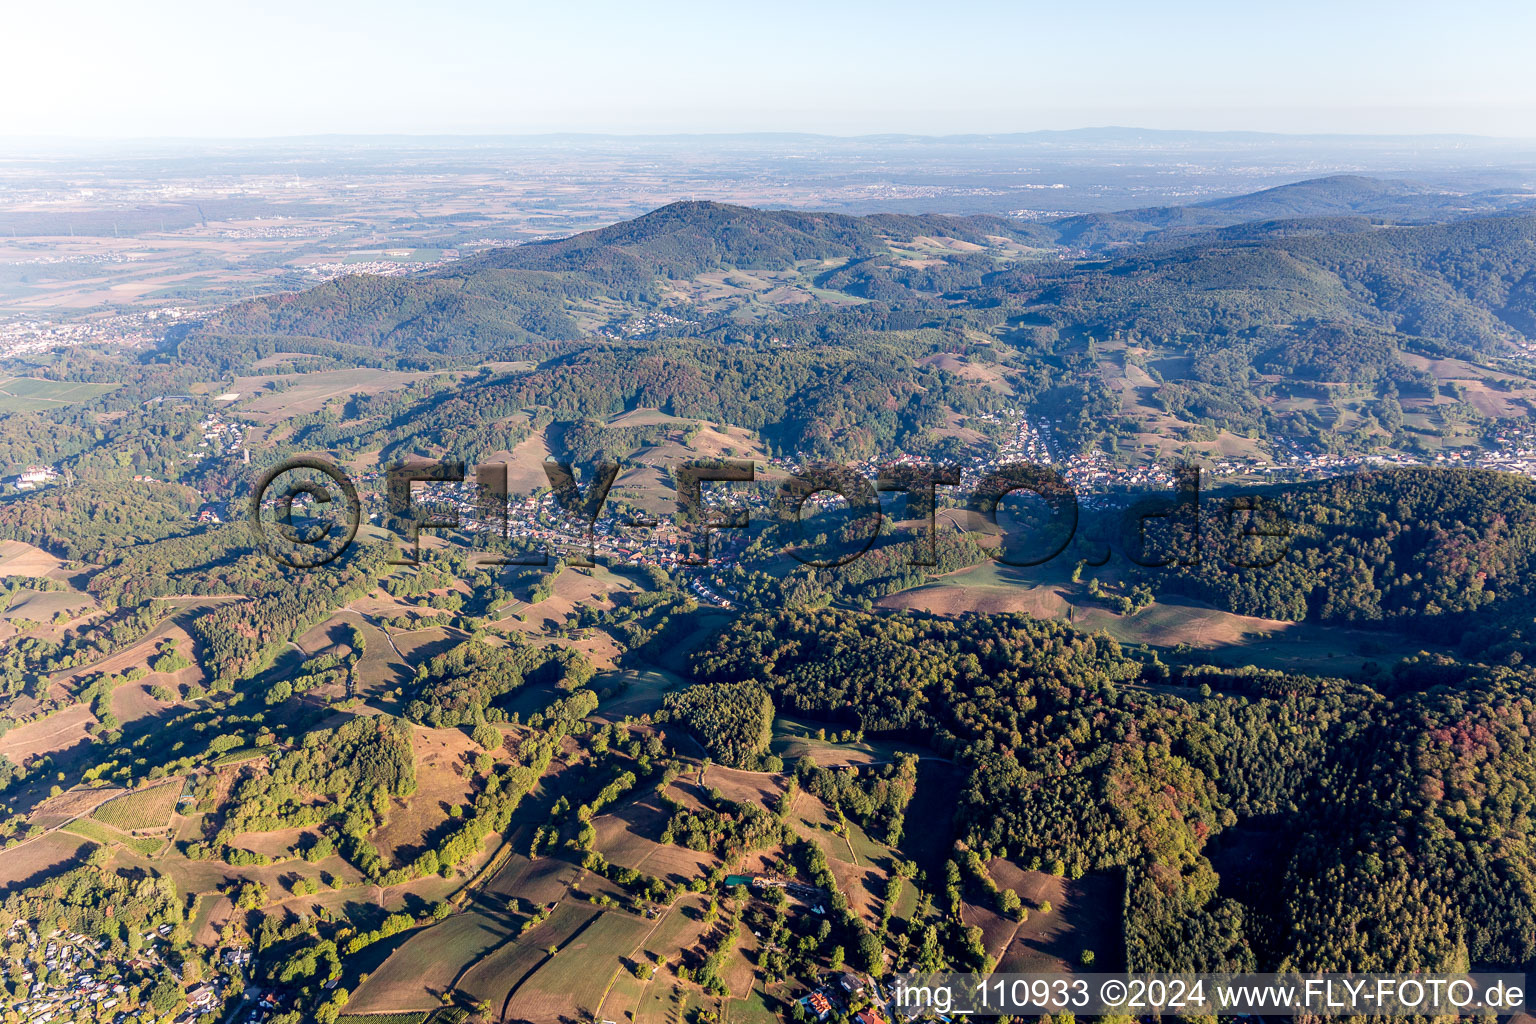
<point x="277" y="67"/>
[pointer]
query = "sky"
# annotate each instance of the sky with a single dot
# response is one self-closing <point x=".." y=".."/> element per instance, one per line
<point x="276" y="67"/>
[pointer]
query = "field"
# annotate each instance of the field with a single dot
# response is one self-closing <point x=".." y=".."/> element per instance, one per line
<point x="992" y="587"/>
<point x="1085" y="914"/>
<point x="743" y="786"/>
<point x="59" y="732"/>
<point x="525" y="463"/>
<point x="628" y="835"/>
<point x="532" y="882"/>
<point x="639" y="693"/>
<point x="19" y="559"/>
<point x="794" y="739"/>
<point x="147" y="808"/>
<point x="417" y="974"/>
<point x="659" y="1000"/>
<point x="757" y="1007"/>
<point x="138" y="654"/>
<point x="989" y="588"/>
<point x="571" y="984"/>
<point x="573" y="589"/>
<point x="309" y="392"/>
<point x="95" y="831"/>
<point x="70" y="804"/>
<point x="42" y="606"/>
<point x="133" y="701"/>
<point x="27" y="862"/>
<point x="493" y="979"/>
<point x="440" y="787"/>
<point x="860" y="865"/>
<point x="25" y="394"/>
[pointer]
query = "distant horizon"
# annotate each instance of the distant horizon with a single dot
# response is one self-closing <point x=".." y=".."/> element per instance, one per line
<point x="771" y="133"/>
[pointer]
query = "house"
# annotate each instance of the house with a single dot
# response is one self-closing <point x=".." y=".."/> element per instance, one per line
<point x="819" y="1005"/>
<point x="870" y="1016"/>
<point x="851" y="984"/>
<point x="36" y="475"/>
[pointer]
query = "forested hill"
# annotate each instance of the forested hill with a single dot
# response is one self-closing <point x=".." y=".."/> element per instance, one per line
<point x="1464" y="286"/>
<point x="1338" y="196"/>
<point x="524" y="296"/>
<point x="1443" y="554"/>
<point x="689" y="238"/>
<point x="1470" y="283"/>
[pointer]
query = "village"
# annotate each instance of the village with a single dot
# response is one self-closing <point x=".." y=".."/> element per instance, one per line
<point x="64" y="977"/>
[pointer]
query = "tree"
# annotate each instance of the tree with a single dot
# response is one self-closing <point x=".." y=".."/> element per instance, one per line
<point x="250" y="895"/>
<point x="869" y="952"/>
<point x="487" y="735"/>
<point x="166" y="996"/>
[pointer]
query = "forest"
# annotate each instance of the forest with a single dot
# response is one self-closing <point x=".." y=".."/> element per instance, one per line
<point x="1078" y="753"/>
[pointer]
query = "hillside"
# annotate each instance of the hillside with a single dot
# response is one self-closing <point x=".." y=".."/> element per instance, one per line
<point x="1337" y="196"/>
<point x="840" y="335"/>
<point x="1300" y="253"/>
<point x="528" y="295"/>
<point x="1468" y="283"/>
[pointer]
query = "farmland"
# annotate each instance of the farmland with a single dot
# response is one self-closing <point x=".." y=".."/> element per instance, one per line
<point x="25" y="394"/>
<point x="144" y="809"/>
<point x="37" y="858"/>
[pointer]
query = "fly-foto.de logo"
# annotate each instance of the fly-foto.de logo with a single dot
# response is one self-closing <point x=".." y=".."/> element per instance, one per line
<point x="306" y="511"/>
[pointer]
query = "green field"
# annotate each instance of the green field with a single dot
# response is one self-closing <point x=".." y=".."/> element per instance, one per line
<point x="29" y="394"/>
<point x="758" y="1007"/>
<point x="99" y="833"/>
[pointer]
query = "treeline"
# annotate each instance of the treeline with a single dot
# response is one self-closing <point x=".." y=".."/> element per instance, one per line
<point x="1437" y="551"/>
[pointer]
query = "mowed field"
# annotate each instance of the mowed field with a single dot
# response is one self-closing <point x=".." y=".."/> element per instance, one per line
<point x="72" y="803"/>
<point x="21" y="559"/>
<point x="25" y="394"/>
<point x="570" y="985"/>
<point x="659" y="1000"/>
<point x="993" y="588"/>
<point x="638" y="692"/>
<point x="441" y="786"/>
<point x="794" y="739"/>
<point x="138" y="655"/>
<point x="989" y="588"/>
<point x="628" y="835"/>
<point x="589" y="588"/>
<point x="1085" y="915"/>
<point x="42" y="606"/>
<point x="61" y="731"/>
<point x="525" y="462"/>
<point x="495" y="977"/>
<point x="416" y="975"/>
<point x="47" y="854"/>
<point x="859" y="863"/>
<point x="308" y="392"/>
